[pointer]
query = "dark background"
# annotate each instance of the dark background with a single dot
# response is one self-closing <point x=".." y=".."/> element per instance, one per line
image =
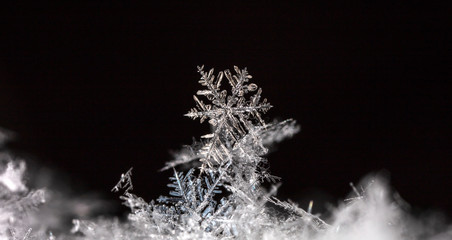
<point x="91" y="89"/>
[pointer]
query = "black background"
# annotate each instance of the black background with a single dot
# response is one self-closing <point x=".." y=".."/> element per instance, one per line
<point x="91" y="89"/>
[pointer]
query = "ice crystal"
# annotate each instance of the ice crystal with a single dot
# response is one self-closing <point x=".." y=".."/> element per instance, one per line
<point x="221" y="195"/>
<point x="223" y="198"/>
<point x="232" y="116"/>
<point x="17" y="203"/>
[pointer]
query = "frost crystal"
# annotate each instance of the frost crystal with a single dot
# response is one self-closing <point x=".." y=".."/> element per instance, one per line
<point x="221" y="195"/>
<point x="232" y="116"/>
<point x="17" y="203"/>
<point x="223" y="198"/>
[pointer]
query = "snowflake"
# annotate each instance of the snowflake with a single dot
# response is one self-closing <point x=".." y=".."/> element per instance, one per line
<point x="230" y="115"/>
